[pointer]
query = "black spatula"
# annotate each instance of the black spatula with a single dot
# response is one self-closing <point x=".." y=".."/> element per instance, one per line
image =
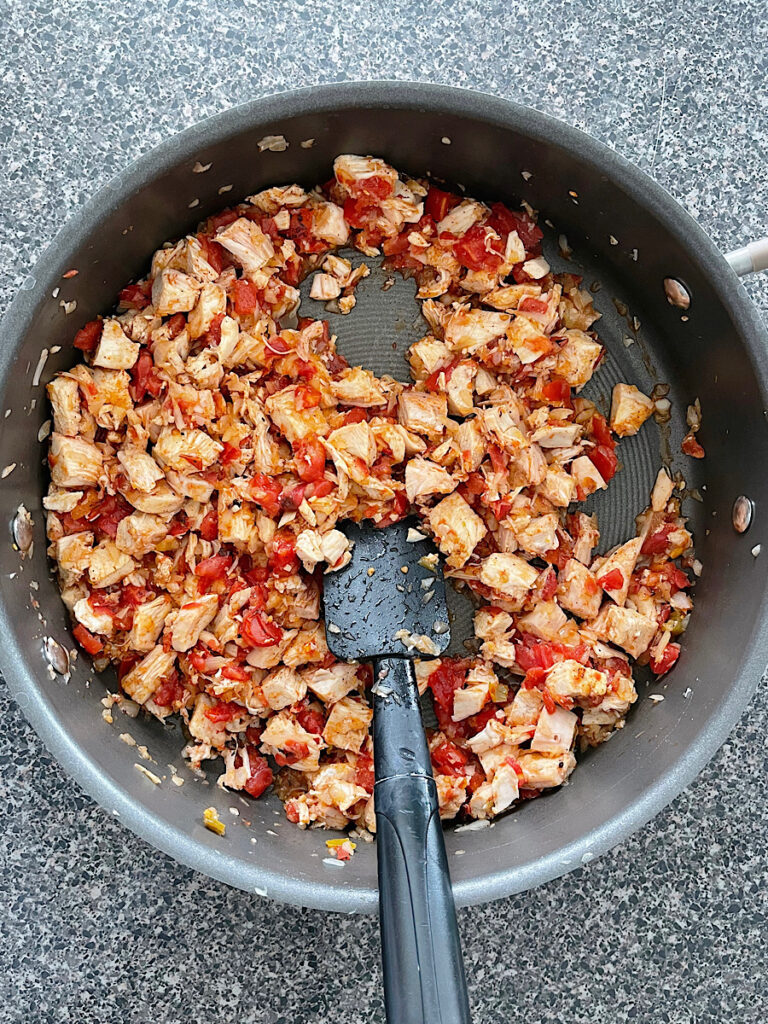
<point x="388" y="605"/>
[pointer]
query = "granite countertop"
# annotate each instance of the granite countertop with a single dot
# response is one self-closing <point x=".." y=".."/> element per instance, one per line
<point x="96" y="925"/>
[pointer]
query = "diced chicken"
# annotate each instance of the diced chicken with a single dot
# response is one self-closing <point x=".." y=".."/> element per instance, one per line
<point x="493" y="734"/>
<point x="358" y="387"/>
<point x="109" y="564"/>
<point x="148" y="622"/>
<point x="145" y="677"/>
<point x="248" y="244"/>
<point x="522" y="715"/>
<point x="501" y="424"/>
<point x="527" y="341"/>
<point x="313" y="547"/>
<point x="96" y="621"/>
<point x="324" y="287"/>
<point x="348" y="724"/>
<point x="586" y="477"/>
<point x="457" y="527"/>
<point x="350" y="170"/>
<point x="570" y="682"/>
<point x="423" y="479"/>
<point x="662" y="491"/>
<point x="115" y="351"/>
<point x="140" y="532"/>
<point x="469" y="700"/>
<point x="186" y="450"/>
<point x="624" y="627"/>
<point x="309" y="645"/>
<point x="459" y="388"/>
<point x="471" y="443"/>
<point x="282" y="687"/>
<point x="174" y="292"/>
<point x="293" y="423"/>
<point x="161" y="500"/>
<point x="586" y="536"/>
<point x="427" y="355"/>
<point x="493" y="797"/>
<point x="205" y="729"/>
<point x="64" y="396"/>
<point x="554" y="731"/>
<point x="578" y="590"/>
<point x="540" y="534"/>
<point x="423" y="413"/>
<point x="469" y="329"/>
<point x="140" y="468"/>
<point x="211" y="302"/>
<point x="545" y="771"/>
<point x="614" y="572"/>
<point x="451" y="794"/>
<point x="630" y="408"/>
<point x="329" y="224"/>
<point x="577" y="358"/>
<point x="331" y="684"/>
<point x="558" y="486"/>
<point x="73" y="552"/>
<point x="191" y="619"/>
<point x="461" y="218"/>
<point x="490" y="623"/>
<point x="545" y="621"/>
<point x="353" y="441"/>
<point x="508" y="575"/>
<point x="510" y="296"/>
<point x="74" y="462"/>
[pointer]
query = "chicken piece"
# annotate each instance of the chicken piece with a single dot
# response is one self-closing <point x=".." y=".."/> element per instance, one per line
<point x="148" y="622"/>
<point x="174" y="292"/>
<point x="427" y="355"/>
<point x="527" y="341"/>
<point x="614" y="571"/>
<point x="558" y="434"/>
<point x="191" y="619"/>
<point x="73" y="553"/>
<point x="248" y="244"/>
<point x="540" y="535"/>
<point x="508" y="575"/>
<point x="211" y="302"/>
<point x="115" y="351"/>
<point x="286" y="738"/>
<point x="510" y="296"/>
<point x="190" y="485"/>
<point x="145" y="677"/>
<point x="161" y="500"/>
<point x="283" y="686"/>
<point x="331" y="684"/>
<point x="471" y="443"/>
<point x="493" y="734"/>
<point x="554" y="731"/>
<point x="586" y="477"/>
<point x="209" y="730"/>
<point x="140" y="468"/>
<point x="578" y="590"/>
<point x="586" y="536"/>
<point x="451" y="794"/>
<point x="493" y="797"/>
<point x="269" y="657"/>
<point x="272" y="200"/>
<point x="558" y="487"/>
<point x="324" y="287"/>
<point x="501" y="424"/>
<point x="313" y="547"/>
<point x="469" y="700"/>
<point x="328" y="223"/>
<point x="109" y="400"/>
<point x="307" y="646"/>
<point x="577" y="358"/>
<point x="348" y="724"/>
<point x="461" y="218"/>
<point x="545" y="621"/>
<point x="351" y="171"/>
<point x="544" y="771"/>
<point x="570" y="682"/>
<point x="522" y="715"/>
<point x="490" y="623"/>
<point x="457" y="527"/>
<point x="423" y="479"/>
<point x="293" y="423"/>
<point x="423" y="413"/>
<point x="64" y="396"/>
<point x="358" y="387"/>
<point x="662" y="491"/>
<point x="459" y="388"/>
<point x="139" y="533"/>
<point x="353" y="441"/>
<point x="630" y="408"/>
<point x="186" y="450"/>
<point x="74" y="462"/>
<point x="109" y="564"/>
<point x="469" y="329"/>
<point x="95" y="621"/>
<point x="335" y="785"/>
<point x="237" y="523"/>
<point x="624" y="627"/>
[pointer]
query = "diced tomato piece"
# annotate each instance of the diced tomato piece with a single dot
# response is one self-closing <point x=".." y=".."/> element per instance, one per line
<point x="397" y="245"/>
<point x="309" y="459"/>
<point x="292" y="497"/>
<point x="295" y="750"/>
<point x="260" y="775"/>
<point x="657" y="542"/>
<point x="300" y="232"/>
<point x="209" y="528"/>
<point x="549" y="703"/>
<point x="134" y="296"/>
<point x="235" y="672"/>
<point x="91" y="644"/>
<point x="144" y="377"/>
<point x="359" y="212"/>
<point x="222" y="219"/>
<point x="558" y="392"/>
<point x="170" y="691"/>
<point x="472" y="251"/>
<point x="669" y="656"/>
<point x="214" y="568"/>
<point x="438" y="203"/>
<point x="548" y="580"/>
<point x="364" y="775"/>
<point x="108" y="514"/>
<point x="259" y="574"/>
<point x="605" y="461"/>
<point x="213" y="335"/>
<point x="175" y="324"/>
<point x="259" y="631"/>
<point x="448" y="759"/>
<point x="306" y="397"/>
<point x="479" y="721"/>
<point x="276" y="347"/>
<point x="283" y="558"/>
<point x="319" y="490"/>
<point x="87" y="338"/>
<point x="375" y="186"/>
<point x="499" y="460"/>
<point x="691" y="447"/>
<point x="245" y="297"/>
<point x="601" y="431"/>
<point x="530" y="304"/>
<point x="503" y="220"/>
<point x="443" y="681"/>
<point x="534" y="677"/>
<point x="179" y="525"/>
<point x="229" y="454"/>
<point x="310" y="718"/>
<point x="292" y="272"/>
<point x="613" y="580"/>
<point x="356" y="415"/>
<point x="213" y="252"/>
<point x="223" y="711"/>
<point x="265" y="491"/>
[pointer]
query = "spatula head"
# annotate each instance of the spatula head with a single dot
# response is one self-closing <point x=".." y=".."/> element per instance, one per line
<point x="391" y="592"/>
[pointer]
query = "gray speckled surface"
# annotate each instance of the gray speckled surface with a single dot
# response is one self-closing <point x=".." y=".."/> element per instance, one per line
<point x="97" y="926"/>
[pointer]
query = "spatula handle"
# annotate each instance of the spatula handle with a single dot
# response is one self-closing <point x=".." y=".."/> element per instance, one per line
<point x="424" y="979"/>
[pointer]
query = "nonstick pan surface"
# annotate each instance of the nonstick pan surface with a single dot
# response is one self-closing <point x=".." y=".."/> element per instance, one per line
<point x="626" y="234"/>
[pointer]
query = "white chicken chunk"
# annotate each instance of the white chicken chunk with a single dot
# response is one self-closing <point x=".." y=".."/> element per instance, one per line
<point x="64" y="396"/>
<point x="469" y="329"/>
<point x="423" y="479"/>
<point x="493" y="797"/>
<point x="115" y="351"/>
<point x="578" y="590"/>
<point x="508" y="574"/>
<point x="471" y="443"/>
<point x="527" y="341"/>
<point x="624" y="627"/>
<point x="555" y="731"/>
<point x="614" y="571"/>
<point x="148" y="622"/>
<point x="359" y="387"/>
<point x="248" y="244"/>
<point x="191" y="619"/>
<point x="457" y="527"/>
<point x="545" y="621"/>
<point x="663" y="489"/>
<point x="140" y="468"/>
<point x="174" y="292"/>
<point x="74" y="462"/>
<point x="186" y="450"/>
<point x="469" y="700"/>
<point x="427" y="355"/>
<point x="162" y="500"/>
<point x="348" y="724"/>
<point x="577" y="358"/>
<point x="313" y="547"/>
<point x="558" y="486"/>
<point x="211" y="302"/>
<point x="73" y="552"/>
<point x="96" y="621"/>
<point x="329" y="224"/>
<point x="539" y="535"/>
<point x="451" y="794"/>
<point x="140" y="532"/>
<point x="145" y="677"/>
<point x="570" y="682"/>
<point x="283" y="686"/>
<point x="109" y="564"/>
<point x="331" y="684"/>
<point x="586" y="477"/>
<point x="461" y="218"/>
<point x="586" y="536"/>
<point x="423" y="413"/>
<point x="630" y="408"/>
<point x="324" y="287"/>
<point x="545" y="771"/>
<point x="292" y="422"/>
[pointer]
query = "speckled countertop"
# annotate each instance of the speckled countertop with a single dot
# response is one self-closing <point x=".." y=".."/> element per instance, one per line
<point x="99" y="927"/>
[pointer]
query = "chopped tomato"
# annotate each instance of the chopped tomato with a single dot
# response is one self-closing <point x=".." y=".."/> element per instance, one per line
<point x="549" y="703"/>
<point x="443" y="681"/>
<point x="300" y="232"/>
<point x="213" y="252"/>
<point x="260" y="775"/>
<point x="534" y="678"/>
<point x="448" y="759"/>
<point x="374" y="186"/>
<point x="433" y="382"/>
<point x="309" y="459"/>
<point x="90" y="643"/>
<point x="175" y="324"/>
<point x="229" y="454"/>
<point x="397" y="245"/>
<point x="310" y="718"/>
<point x="87" y="338"/>
<point x="214" y="568"/>
<point x="292" y="497"/>
<point x="613" y="580"/>
<point x="235" y="672"/>
<point x="179" y="525"/>
<point x="558" y="392"/>
<point x="259" y="631"/>
<point x="221" y="220"/>
<point x="306" y="397"/>
<point x="472" y="251"/>
<point x="209" y="528"/>
<point x="265" y="491"/>
<point x="601" y="431"/>
<point x="657" y="542"/>
<point x="439" y="203"/>
<point x="356" y="415"/>
<point x="669" y="656"/>
<point x="245" y="297"/>
<point x="531" y="653"/>
<point x="295" y="750"/>
<point x="548" y="584"/>
<point x="691" y="446"/>
<point x="213" y="335"/>
<point x="605" y="461"/>
<point x="503" y="220"/>
<point x="144" y="377"/>
<point x="170" y="691"/>
<point x="530" y="304"/>
<point x="109" y="513"/>
<point x="135" y="296"/>
<point x="364" y="775"/>
<point x="283" y="558"/>
<point x="223" y="711"/>
<point x="499" y="459"/>
<point x="479" y="721"/>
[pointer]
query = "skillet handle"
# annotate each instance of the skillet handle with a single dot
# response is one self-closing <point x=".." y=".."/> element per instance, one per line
<point x="423" y="970"/>
<point x="751" y="258"/>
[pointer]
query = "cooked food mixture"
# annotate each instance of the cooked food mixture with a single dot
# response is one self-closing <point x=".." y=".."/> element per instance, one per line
<point x="204" y="455"/>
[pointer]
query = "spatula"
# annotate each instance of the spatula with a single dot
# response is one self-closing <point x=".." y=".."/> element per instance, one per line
<point x="387" y="606"/>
